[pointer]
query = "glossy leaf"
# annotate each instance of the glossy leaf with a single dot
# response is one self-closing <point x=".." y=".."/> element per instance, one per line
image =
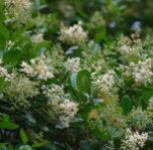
<point x="42" y="44"/>
<point x="26" y="49"/>
<point x="1" y="84"/>
<point x="8" y="125"/>
<point x="100" y="34"/>
<point x="2" y="42"/>
<point x="2" y="17"/>
<point x="10" y="147"/>
<point x="3" y="144"/>
<point x="25" y="147"/>
<point x="1" y="5"/>
<point x="126" y="104"/>
<point x="51" y="146"/>
<point x="39" y="144"/>
<point x="24" y="137"/>
<point x="83" y="81"/>
<point x="85" y="144"/>
<point x="16" y="35"/>
<point x="6" y="117"/>
<point x="4" y="32"/>
<point x="73" y="80"/>
<point x="11" y="56"/>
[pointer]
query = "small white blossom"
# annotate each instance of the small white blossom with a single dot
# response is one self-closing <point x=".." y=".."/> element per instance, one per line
<point x="141" y="72"/>
<point x="105" y="82"/>
<point x="15" y="7"/>
<point x="37" y="39"/>
<point x="40" y="67"/>
<point x="4" y="73"/>
<point x="134" y="141"/>
<point x="60" y="104"/>
<point x="73" y="35"/>
<point x="73" y="65"/>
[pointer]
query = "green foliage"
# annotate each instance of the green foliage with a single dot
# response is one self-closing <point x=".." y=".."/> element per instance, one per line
<point x="23" y="136"/>
<point x="1" y="5"/>
<point x="4" y="32"/>
<point x="71" y="86"/>
<point x="8" y="125"/>
<point x="126" y="104"/>
<point x="83" y="81"/>
<point x="11" y="56"/>
<point x="1" y="84"/>
<point x="2" y="17"/>
<point x="16" y="35"/>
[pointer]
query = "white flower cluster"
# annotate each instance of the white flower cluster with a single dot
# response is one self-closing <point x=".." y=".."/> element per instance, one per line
<point x="130" y="51"/>
<point x="73" y="64"/>
<point x="141" y="72"/>
<point x="96" y="20"/>
<point x="69" y="109"/>
<point x="61" y="105"/>
<point x="72" y="35"/>
<point x="4" y="73"/>
<point x="20" y="90"/>
<point x="15" y="7"/>
<point x="38" y="39"/>
<point x="66" y="9"/>
<point x="105" y="82"/>
<point x="40" y="67"/>
<point x="134" y="141"/>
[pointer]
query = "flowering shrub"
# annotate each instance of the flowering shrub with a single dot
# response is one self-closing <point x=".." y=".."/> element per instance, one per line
<point x="70" y="92"/>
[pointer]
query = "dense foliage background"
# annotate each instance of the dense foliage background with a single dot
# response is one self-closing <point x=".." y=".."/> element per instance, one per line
<point x="76" y="75"/>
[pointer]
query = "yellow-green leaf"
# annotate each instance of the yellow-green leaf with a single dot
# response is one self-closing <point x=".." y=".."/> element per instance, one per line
<point x="93" y="114"/>
<point x="24" y="137"/>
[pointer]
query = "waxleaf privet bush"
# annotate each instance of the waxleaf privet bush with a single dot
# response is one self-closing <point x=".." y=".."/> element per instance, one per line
<point x="69" y="81"/>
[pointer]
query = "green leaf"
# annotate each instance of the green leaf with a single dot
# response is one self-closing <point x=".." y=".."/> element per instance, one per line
<point x="23" y="136"/>
<point x="83" y="81"/>
<point x="147" y="95"/>
<point x="25" y="147"/>
<point x="3" y="144"/>
<point x="6" y="117"/>
<point x="26" y="49"/>
<point x="73" y="80"/>
<point x="10" y="147"/>
<point x="4" y="32"/>
<point x="117" y="143"/>
<point x="39" y="144"/>
<point x="18" y="43"/>
<point x="16" y="35"/>
<point x="1" y="5"/>
<point x="42" y="44"/>
<point x="11" y="56"/>
<point x="32" y="53"/>
<point x="1" y="84"/>
<point x="51" y="146"/>
<point x="2" y="17"/>
<point x="104" y="137"/>
<point x="100" y="34"/>
<point x="69" y="147"/>
<point x="82" y="97"/>
<point x="8" y="125"/>
<point x="126" y="104"/>
<point x="2" y="42"/>
<point x="85" y="144"/>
